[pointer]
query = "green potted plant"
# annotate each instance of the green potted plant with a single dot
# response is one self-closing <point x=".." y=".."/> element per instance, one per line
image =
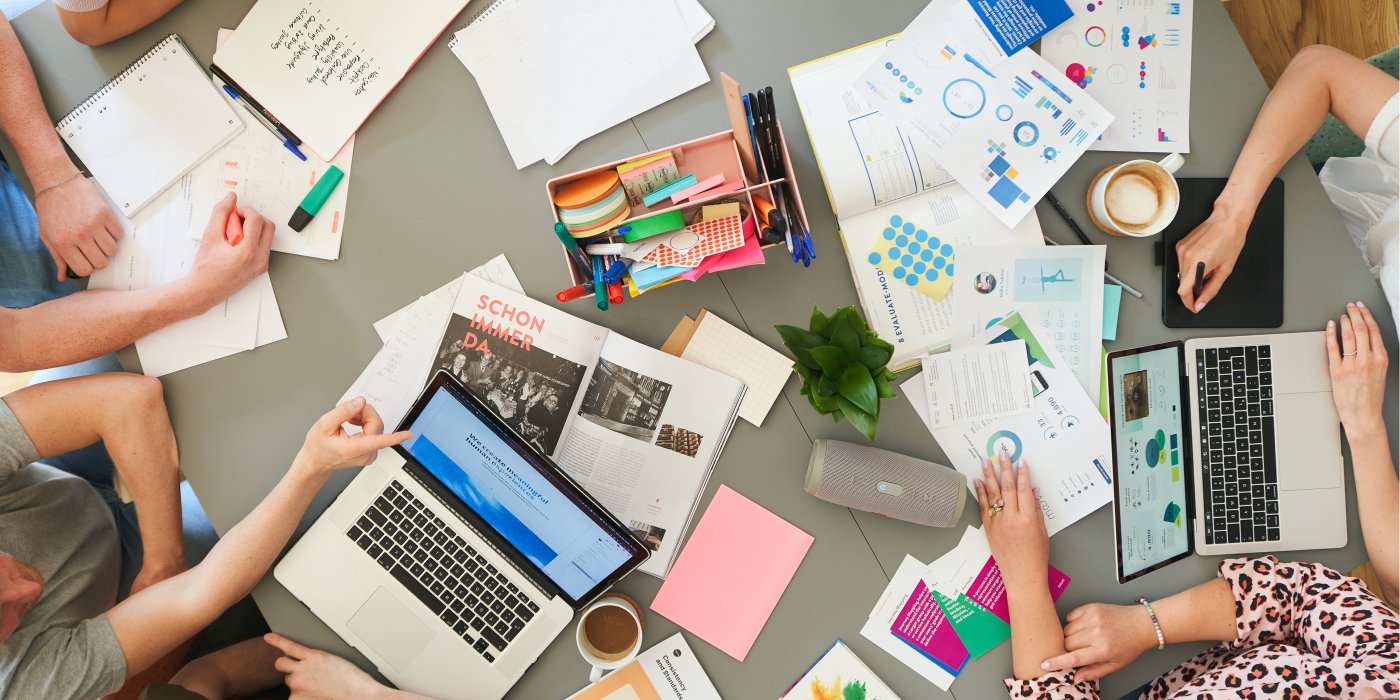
<point x="843" y="365"/>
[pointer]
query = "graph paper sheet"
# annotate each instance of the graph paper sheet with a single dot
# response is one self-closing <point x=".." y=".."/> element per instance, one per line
<point x="718" y="345"/>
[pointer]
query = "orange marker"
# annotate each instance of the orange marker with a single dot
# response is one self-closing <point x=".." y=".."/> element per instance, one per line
<point x="233" y="230"/>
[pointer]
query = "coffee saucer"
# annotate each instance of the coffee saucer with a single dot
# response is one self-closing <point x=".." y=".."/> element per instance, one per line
<point x="1089" y="202"/>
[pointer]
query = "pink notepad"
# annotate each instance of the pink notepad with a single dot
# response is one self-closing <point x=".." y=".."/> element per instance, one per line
<point x="732" y="572"/>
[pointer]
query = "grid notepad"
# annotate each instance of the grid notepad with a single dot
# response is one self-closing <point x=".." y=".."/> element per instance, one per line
<point x="721" y="347"/>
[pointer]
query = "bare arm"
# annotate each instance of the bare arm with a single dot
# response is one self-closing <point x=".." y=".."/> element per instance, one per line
<point x="1319" y="80"/>
<point x="75" y="223"/>
<point x="114" y="21"/>
<point x="95" y="322"/>
<point x="151" y="623"/>
<point x="127" y="412"/>
<point x="1358" y="363"/>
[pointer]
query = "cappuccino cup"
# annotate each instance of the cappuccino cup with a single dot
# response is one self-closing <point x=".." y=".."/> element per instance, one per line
<point x="1138" y="198"/>
<point x="609" y="634"/>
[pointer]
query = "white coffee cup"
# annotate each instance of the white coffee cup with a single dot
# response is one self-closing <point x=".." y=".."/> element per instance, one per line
<point x="602" y="660"/>
<point x="1137" y="198"/>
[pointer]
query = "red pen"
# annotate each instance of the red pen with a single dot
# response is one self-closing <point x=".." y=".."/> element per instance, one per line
<point x="577" y="291"/>
<point x="615" y="293"/>
<point x="233" y="230"/>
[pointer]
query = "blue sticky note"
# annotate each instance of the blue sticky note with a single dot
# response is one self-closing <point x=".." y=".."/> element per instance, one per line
<point x="669" y="190"/>
<point x="1112" y="300"/>
<point x="656" y="274"/>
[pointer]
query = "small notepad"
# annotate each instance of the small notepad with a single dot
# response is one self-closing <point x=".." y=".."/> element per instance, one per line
<point x="150" y="125"/>
<point x="722" y="347"/>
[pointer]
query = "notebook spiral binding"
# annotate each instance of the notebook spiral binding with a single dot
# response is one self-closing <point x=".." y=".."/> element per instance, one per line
<point x="107" y="87"/>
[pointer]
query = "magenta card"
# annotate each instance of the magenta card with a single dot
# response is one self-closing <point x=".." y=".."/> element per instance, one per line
<point x="989" y="590"/>
<point x="924" y="626"/>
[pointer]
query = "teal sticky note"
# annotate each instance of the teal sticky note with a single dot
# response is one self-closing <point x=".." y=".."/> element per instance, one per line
<point x="656" y="274"/>
<point x="1112" y="301"/>
<point x="669" y="190"/>
<point x="979" y="629"/>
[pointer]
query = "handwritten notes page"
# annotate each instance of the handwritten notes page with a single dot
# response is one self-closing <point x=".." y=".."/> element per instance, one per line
<point x="322" y="67"/>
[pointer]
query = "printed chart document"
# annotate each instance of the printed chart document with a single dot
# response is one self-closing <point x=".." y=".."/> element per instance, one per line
<point x="529" y="57"/>
<point x="667" y="671"/>
<point x="322" y="66"/>
<point x="1006" y="133"/>
<point x="1062" y="285"/>
<point x="988" y="30"/>
<point x="878" y="627"/>
<point x="977" y="384"/>
<point x="639" y="429"/>
<point x="1065" y="439"/>
<point x="1135" y="59"/>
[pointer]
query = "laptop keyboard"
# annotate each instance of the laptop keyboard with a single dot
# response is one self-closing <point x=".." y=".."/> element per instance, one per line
<point x="1239" y="472"/>
<point x="445" y="573"/>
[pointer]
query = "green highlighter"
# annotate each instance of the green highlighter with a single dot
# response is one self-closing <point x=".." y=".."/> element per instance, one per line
<point x="316" y="198"/>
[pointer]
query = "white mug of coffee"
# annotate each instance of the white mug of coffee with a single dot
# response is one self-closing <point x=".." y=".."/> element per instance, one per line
<point x="609" y="634"/>
<point x="1137" y="198"/>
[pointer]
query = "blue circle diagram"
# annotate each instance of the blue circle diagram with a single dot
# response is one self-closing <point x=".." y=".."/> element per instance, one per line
<point x="1049" y="153"/>
<point x="1004" y="112"/>
<point x="964" y="98"/>
<point x="1026" y="134"/>
<point x="1004" y="441"/>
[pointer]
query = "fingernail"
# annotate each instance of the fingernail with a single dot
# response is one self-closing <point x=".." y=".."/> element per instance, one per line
<point x="1351" y="305"/>
<point x="1021" y="463"/>
<point x="1199" y="306"/>
<point x="1361" y="305"/>
<point x="1045" y="665"/>
<point x="359" y="401"/>
<point x="1331" y="324"/>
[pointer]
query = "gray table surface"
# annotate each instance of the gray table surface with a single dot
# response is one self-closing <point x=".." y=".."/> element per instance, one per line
<point x="433" y="192"/>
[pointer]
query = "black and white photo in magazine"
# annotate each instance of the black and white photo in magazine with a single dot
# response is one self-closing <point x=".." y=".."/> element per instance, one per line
<point x="530" y="389"/>
<point x="624" y="401"/>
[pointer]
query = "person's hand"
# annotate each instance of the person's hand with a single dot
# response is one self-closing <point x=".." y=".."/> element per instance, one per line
<point x="77" y="227"/>
<point x="329" y="447"/>
<point x="316" y="675"/>
<point x="1100" y="639"/>
<point x="220" y="269"/>
<point x="1217" y="243"/>
<point x="153" y="572"/>
<point x="1016" y="531"/>
<point x="1358" y="369"/>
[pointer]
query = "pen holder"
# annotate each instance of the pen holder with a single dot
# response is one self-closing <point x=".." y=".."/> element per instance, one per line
<point x="705" y="157"/>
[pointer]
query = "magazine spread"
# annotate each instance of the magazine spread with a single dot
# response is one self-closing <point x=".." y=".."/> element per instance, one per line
<point x="639" y="429"/>
<point x="902" y="218"/>
<point x="667" y="671"/>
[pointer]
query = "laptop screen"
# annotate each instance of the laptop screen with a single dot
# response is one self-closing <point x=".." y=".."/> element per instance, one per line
<point x="476" y="460"/>
<point x="1149" y="459"/>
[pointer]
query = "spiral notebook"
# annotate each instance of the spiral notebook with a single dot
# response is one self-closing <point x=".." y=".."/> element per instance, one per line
<point x="147" y="127"/>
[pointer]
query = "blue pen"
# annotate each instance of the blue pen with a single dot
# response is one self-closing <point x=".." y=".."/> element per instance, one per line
<point x="615" y="272"/>
<point x="286" y="142"/>
<point x="748" y="117"/>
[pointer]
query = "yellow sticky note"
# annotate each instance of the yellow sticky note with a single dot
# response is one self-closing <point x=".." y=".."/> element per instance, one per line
<point x="719" y="211"/>
<point x="914" y="257"/>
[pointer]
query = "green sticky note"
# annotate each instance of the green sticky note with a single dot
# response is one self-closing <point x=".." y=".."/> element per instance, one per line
<point x="979" y="630"/>
<point x="1112" y="302"/>
<point x="652" y="225"/>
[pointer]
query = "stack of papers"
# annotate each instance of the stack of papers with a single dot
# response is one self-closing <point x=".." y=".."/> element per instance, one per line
<point x="936" y="618"/>
<point x="156" y="249"/>
<point x="554" y="74"/>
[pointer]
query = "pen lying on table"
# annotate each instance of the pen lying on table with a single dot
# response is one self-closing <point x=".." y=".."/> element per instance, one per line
<point x="1126" y="287"/>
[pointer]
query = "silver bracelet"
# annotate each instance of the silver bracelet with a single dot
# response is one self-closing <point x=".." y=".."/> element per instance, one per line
<point x="58" y="184"/>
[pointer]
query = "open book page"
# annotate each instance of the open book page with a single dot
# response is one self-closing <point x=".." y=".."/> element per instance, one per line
<point x="528" y="361"/>
<point x="866" y="160"/>
<point x="928" y="230"/>
<point x="645" y="437"/>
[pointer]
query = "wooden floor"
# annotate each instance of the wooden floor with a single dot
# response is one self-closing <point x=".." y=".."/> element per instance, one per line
<point x="1274" y="30"/>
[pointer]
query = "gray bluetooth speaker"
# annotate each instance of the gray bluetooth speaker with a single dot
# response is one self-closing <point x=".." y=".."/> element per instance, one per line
<point x="885" y="483"/>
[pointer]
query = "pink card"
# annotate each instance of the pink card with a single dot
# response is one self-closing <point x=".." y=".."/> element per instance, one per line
<point x="924" y="626"/>
<point x="731" y="573"/>
<point x="989" y="590"/>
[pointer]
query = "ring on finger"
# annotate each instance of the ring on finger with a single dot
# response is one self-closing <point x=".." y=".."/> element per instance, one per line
<point x="1348" y="354"/>
<point x="998" y="505"/>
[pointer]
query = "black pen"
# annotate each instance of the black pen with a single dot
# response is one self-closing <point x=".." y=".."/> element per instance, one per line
<point x="1073" y="225"/>
<point x="1200" y="281"/>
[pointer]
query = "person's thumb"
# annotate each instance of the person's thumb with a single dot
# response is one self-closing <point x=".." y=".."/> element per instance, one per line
<point x="1212" y="288"/>
<point x="58" y="262"/>
<point x="1063" y="662"/>
<point x="218" y="219"/>
<point x="342" y="413"/>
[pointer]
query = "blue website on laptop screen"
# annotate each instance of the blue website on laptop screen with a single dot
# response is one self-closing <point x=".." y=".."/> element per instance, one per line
<point x="513" y="497"/>
<point x="1148" y="440"/>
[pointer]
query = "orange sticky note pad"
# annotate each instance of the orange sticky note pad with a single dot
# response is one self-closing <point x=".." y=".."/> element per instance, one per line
<point x="732" y="572"/>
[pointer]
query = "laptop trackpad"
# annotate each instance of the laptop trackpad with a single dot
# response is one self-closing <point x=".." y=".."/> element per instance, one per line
<point x="390" y="629"/>
<point x="1308" y="441"/>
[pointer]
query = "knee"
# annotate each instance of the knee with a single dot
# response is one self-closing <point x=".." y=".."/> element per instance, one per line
<point x="143" y="395"/>
<point x="1315" y="57"/>
<point x="202" y="677"/>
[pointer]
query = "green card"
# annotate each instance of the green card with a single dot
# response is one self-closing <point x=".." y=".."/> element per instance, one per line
<point x="979" y="630"/>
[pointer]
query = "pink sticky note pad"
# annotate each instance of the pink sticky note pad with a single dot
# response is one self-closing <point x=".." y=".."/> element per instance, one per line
<point x="698" y="188"/>
<point x="732" y="572"/>
<point x="751" y="253"/>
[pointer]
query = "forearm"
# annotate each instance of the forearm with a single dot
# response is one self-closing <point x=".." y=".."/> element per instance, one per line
<point x="1036" y="633"/>
<point x="1203" y="613"/>
<point x="1377" y="495"/>
<point x="24" y="119"/>
<point x="152" y="622"/>
<point x="92" y="323"/>
<point x="114" y="21"/>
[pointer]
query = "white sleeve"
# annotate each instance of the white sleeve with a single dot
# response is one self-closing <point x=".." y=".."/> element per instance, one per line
<point x="81" y="5"/>
<point x="1382" y="138"/>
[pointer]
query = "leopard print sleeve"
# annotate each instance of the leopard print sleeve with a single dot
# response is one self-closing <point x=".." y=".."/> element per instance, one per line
<point x="1059" y="685"/>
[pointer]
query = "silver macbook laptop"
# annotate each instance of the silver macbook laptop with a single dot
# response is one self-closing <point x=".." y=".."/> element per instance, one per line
<point x="458" y="556"/>
<point x="1224" y="446"/>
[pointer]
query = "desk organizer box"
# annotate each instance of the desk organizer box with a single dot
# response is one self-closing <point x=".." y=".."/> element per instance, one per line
<point x="705" y="157"/>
